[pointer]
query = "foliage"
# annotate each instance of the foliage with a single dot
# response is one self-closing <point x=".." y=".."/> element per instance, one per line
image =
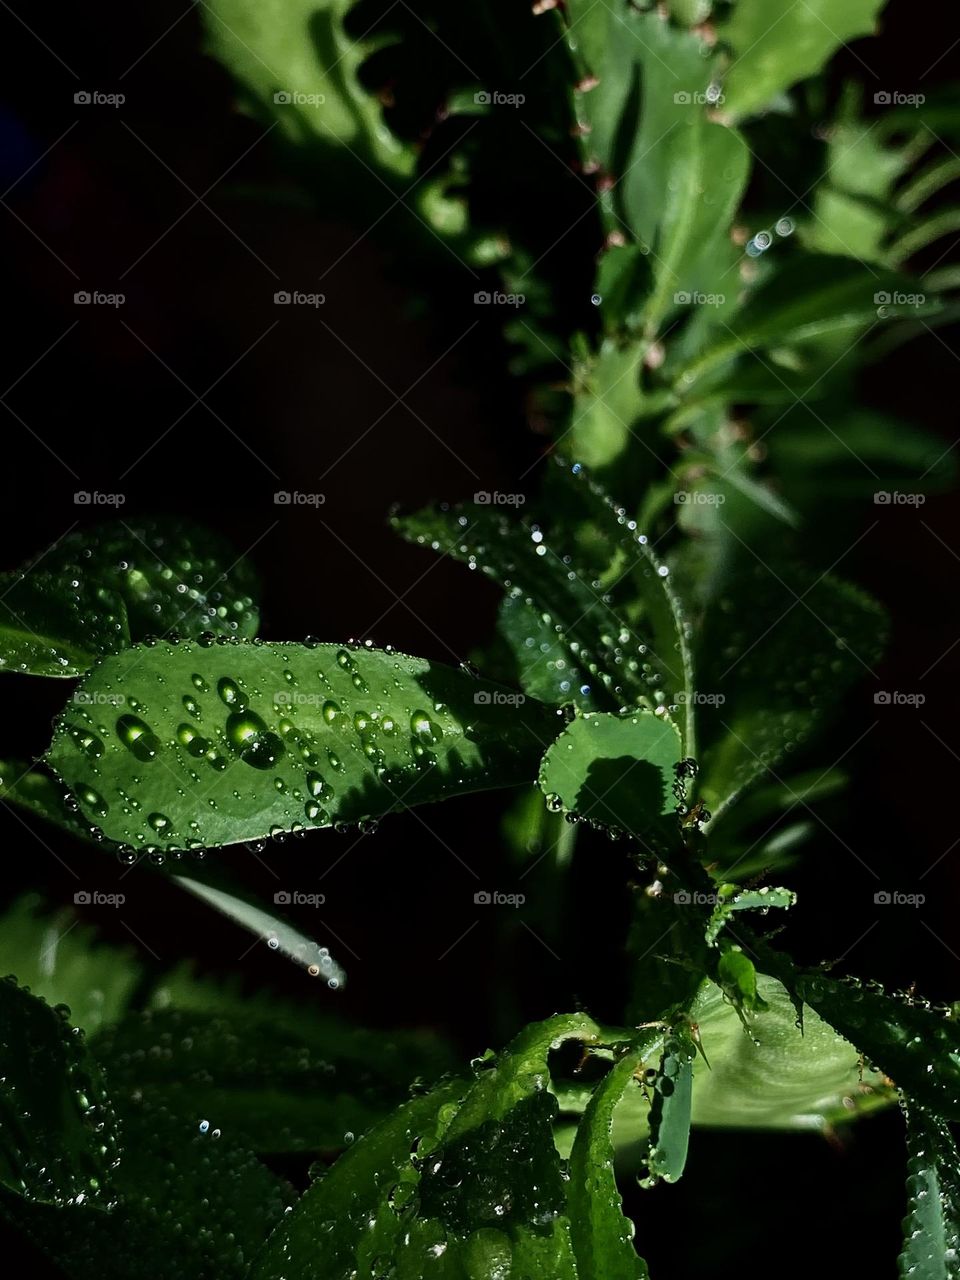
<point x="649" y="679"/>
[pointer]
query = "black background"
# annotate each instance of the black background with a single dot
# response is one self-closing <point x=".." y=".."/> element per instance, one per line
<point x="106" y="400"/>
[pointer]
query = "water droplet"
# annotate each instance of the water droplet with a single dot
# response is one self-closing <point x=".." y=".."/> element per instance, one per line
<point x="138" y="737"/>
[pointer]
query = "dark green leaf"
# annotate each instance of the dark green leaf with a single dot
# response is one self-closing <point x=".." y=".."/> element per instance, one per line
<point x="58" y="1136"/>
<point x="224" y="743"/>
<point x="545" y="668"/>
<point x="49" y="627"/>
<point x="931" y="1229"/>
<point x="173" y="576"/>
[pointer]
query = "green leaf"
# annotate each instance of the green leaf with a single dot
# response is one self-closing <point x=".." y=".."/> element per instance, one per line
<point x="670" y="1108"/>
<point x="297" y="67"/>
<point x="811" y="297"/>
<point x="543" y="662"/>
<point x="616" y="771"/>
<point x="602" y="1236"/>
<point x="737" y="978"/>
<point x="275" y="1084"/>
<point x="636" y="653"/>
<point x="778" y="648"/>
<point x="58" y="1136"/>
<point x="931" y="1229"/>
<point x="732" y="900"/>
<point x="59" y="958"/>
<point x="771" y="1075"/>
<point x="917" y="1046"/>
<point x="48" y="627"/>
<point x="173" y="576"/>
<point x="35" y="790"/>
<point x="219" y="744"/>
<point x="775" y="43"/>
<point x="468" y="1174"/>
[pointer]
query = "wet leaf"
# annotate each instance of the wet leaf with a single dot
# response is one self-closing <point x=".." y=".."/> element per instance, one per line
<point x="215" y="744"/>
<point x="49" y="627"/>
<point x="617" y="771"/>
<point x="173" y="576"/>
<point x="931" y="1229"/>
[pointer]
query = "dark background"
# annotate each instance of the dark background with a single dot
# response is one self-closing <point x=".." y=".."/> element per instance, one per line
<point x="108" y="400"/>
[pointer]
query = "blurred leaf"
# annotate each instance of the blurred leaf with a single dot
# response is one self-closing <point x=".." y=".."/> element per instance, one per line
<point x="297" y="67"/>
<point x="777" y="650"/>
<point x="272" y="1084"/>
<point x="60" y="959"/>
<point x="58" y="1136"/>
<point x="775" y="43"/>
<point x="931" y="1229"/>
<point x="810" y="297"/>
<point x="48" y="627"/>
<point x="618" y="772"/>
<point x="221" y="745"/>
<point x="35" y="790"/>
<point x="173" y="575"/>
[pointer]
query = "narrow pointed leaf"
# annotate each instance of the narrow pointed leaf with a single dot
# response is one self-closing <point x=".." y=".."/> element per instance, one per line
<point x="931" y="1229"/>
